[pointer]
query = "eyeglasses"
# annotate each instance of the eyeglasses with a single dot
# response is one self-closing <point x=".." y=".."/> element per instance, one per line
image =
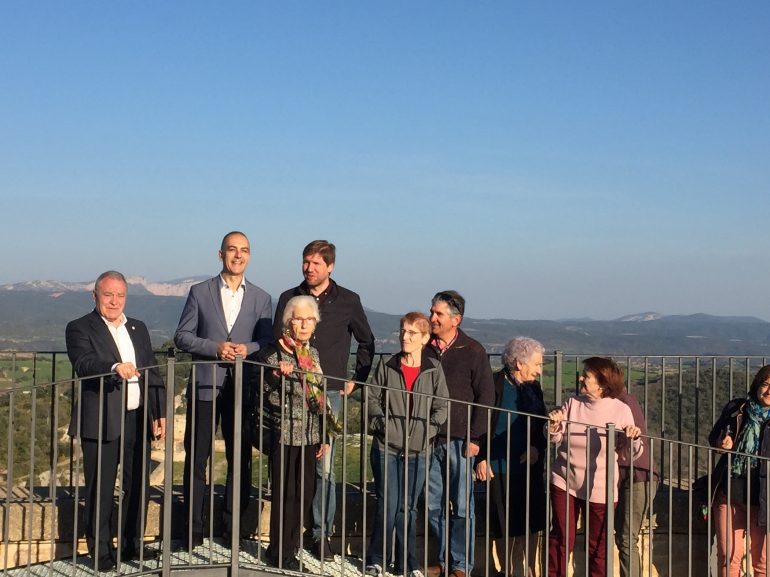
<point x="410" y="334"/>
<point x="308" y="321"/>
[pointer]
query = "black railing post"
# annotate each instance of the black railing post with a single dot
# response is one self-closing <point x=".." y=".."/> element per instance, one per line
<point x="679" y="428"/>
<point x="168" y="467"/>
<point x="72" y="437"/>
<point x="53" y="481"/>
<point x="235" y="530"/>
<point x="609" y="518"/>
<point x="9" y="473"/>
<point x="54" y="405"/>
<point x="557" y="384"/>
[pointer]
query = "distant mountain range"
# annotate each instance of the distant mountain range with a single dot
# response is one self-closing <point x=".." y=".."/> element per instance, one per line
<point x="33" y="316"/>
<point x="137" y="285"/>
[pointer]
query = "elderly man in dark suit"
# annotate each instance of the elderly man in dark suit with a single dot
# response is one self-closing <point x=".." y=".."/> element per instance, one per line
<point x="106" y="342"/>
<point x="224" y="317"/>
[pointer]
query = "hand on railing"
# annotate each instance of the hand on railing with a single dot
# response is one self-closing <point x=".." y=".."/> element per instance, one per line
<point x="347" y="388"/>
<point x="632" y="432"/>
<point x="285" y="368"/>
<point x="471" y="449"/>
<point x="555" y="418"/>
<point x="127" y="371"/>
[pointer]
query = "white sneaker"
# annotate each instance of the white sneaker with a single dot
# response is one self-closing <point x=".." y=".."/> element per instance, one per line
<point x="415" y="573"/>
<point x="373" y="570"/>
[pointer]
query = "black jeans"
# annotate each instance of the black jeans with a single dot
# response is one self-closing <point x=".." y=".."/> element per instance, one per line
<point x="293" y="485"/>
<point x="197" y="446"/>
<point x="100" y="482"/>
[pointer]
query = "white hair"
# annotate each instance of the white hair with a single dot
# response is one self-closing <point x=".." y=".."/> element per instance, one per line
<point x="520" y="349"/>
<point x="300" y="300"/>
<point x="113" y="274"/>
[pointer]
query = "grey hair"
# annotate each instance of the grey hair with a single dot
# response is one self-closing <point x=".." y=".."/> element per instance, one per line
<point x="113" y="274"/>
<point x="454" y="301"/>
<point x="521" y="349"/>
<point x="293" y="303"/>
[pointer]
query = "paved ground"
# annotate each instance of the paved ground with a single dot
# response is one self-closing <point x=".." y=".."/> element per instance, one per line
<point x="210" y="553"/>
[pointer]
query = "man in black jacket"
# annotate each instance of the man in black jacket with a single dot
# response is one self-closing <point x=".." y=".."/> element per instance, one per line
<point x="342" y="316"/>
<point x="106" y="342"/>
<point x="469" y="380"/>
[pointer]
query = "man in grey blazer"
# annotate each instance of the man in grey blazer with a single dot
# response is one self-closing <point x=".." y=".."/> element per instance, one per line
<point x="224" y="317"/>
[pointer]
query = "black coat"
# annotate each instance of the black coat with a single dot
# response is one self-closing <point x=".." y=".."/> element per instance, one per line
<point x="342" y="316"/>
<point x="511" y="488"/>
<point x="469" y="380"/>
<point x="733" y="414"/>
<point x="530" y="401"/>
<point x="92" y="351"/>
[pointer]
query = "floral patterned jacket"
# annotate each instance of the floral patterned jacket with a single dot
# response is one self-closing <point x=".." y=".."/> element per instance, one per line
<point x="285" y="400"/>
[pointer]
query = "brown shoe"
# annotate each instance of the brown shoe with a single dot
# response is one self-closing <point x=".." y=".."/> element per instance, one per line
<point x="457" y="573"/>
<point x="434" y="571"/>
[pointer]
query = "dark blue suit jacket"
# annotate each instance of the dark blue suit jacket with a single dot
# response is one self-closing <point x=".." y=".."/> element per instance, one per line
<point x="202" y="327"/>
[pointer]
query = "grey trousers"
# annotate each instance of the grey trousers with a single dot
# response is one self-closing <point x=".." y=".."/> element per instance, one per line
<point x="634" y="501"/>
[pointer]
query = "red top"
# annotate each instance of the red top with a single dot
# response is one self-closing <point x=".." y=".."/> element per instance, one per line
<point x="410" y="375"/>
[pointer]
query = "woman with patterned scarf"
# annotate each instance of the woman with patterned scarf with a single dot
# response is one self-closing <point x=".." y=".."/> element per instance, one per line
<point x="736" y="479"/>
<point x="293" y="406"/>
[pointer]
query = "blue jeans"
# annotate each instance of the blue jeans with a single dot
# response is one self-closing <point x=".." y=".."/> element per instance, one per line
<point x="461" y="504"/>
<point x="325" y="498"/>
<point x="396" y="504"/>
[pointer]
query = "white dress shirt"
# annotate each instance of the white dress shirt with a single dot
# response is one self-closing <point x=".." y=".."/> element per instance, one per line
<point x="231" y="300"/>
<point x="127" y="355"/>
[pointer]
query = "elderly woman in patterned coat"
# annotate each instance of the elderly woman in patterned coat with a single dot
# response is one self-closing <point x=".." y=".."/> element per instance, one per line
<point x="293" y="406"/>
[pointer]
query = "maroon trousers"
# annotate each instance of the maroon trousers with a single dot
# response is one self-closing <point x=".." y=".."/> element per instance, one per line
<point x="561" y="541"/>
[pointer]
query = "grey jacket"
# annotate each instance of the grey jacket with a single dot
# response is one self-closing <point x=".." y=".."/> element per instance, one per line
<point x="202" y="327"/>
<point x="388" y="400"/>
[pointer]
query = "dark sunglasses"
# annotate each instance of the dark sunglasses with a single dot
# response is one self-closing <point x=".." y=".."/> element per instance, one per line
<point x="451" y="301"/>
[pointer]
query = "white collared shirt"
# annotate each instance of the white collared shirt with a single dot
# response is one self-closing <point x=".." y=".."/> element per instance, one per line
<point x="231" y="301"/>
<point x="127" y="355"/>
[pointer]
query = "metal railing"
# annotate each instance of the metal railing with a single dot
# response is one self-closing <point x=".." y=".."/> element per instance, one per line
<point x="43" y="484"/>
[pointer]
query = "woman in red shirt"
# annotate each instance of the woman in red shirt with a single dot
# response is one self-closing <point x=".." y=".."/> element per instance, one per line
<point x="407" y="402"/>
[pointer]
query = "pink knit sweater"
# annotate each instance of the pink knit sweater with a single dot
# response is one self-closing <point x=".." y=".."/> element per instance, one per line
<point x="587" y="474"/>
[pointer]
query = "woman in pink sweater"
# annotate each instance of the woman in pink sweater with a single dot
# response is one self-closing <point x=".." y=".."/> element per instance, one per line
<point x="579" y="474"/>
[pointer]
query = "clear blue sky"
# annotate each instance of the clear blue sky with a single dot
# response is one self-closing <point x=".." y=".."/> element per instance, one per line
<point x="546" y="159"/>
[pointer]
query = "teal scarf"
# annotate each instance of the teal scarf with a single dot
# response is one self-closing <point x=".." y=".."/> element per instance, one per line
<point x="748" y="439"/>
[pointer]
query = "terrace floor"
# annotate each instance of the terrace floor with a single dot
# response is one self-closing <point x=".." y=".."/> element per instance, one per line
<point x="211" y="558"/>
